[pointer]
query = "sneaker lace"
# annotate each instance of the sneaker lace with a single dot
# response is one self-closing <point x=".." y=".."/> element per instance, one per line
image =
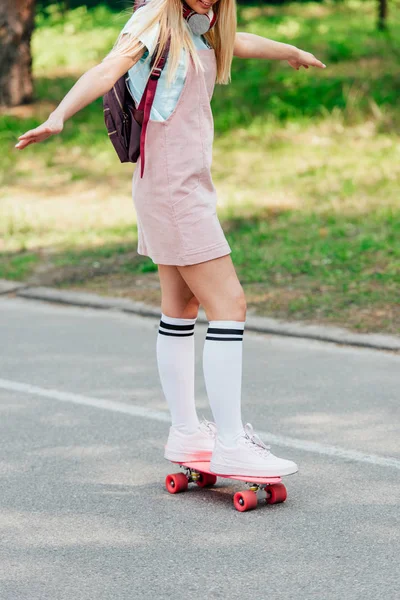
<point x="209" y="427"/>
<point x="254" y="441"/>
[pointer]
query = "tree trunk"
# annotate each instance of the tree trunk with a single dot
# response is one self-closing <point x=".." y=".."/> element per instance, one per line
<point x="382" y="14"/>
<point x="16" y="26"/>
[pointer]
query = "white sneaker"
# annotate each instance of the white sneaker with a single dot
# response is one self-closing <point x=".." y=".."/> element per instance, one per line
<point x="186" y="447"/>
<point x="250" y="457"/>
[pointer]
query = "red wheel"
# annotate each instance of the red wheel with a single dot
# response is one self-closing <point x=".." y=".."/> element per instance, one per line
<point x="176" y="483"/>
<point x="276" y="493"/>
<point x="245" y="500"/>
<point x="206" y="480"/>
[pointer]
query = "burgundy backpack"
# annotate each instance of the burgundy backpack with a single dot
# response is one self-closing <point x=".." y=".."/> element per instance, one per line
<point x="127" y="123"/>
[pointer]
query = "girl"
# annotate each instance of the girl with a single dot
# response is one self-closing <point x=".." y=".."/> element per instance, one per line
<point x="178" y="226"/>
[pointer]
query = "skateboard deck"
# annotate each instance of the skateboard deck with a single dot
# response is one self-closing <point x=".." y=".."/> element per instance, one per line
<point x="272" y="488"/>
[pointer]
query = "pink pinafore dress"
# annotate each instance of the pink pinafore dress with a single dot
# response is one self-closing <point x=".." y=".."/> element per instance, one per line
<point x="176" y="200"/>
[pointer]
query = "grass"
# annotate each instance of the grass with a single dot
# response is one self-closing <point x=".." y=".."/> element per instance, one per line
<point x="306" y="165"/>
<point x="322" y="268"/>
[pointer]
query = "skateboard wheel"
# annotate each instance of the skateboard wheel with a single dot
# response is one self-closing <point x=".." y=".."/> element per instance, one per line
<point x="176" y="483"/>
<point x="206" y="480"/>
<point x="243" y="501"/>
<point x="276" y="493"/>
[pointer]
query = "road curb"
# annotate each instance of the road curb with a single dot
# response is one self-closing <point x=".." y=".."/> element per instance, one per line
<point x="321" y="333"/>
<point x="7" y="286"/>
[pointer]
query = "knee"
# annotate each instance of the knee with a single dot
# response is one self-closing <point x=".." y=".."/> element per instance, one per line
<point x="239" y="304"/>
<point x="231" y="305"/>
<point x="181" y="308"/>
<point x="191" y="310"/>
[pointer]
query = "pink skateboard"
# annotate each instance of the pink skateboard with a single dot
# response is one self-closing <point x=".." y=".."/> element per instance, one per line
<point x="199" y="473"/>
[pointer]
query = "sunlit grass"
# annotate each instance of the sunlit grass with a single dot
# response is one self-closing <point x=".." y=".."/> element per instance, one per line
<point x="307" y="166"/>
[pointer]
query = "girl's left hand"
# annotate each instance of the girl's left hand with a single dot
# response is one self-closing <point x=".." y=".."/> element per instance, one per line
<point x="305" y="59"/>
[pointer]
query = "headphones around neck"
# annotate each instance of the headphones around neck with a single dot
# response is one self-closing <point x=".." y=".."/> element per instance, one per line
<point x="199" y="24"/>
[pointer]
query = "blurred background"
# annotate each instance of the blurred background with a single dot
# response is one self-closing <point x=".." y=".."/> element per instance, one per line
<point x="306" y="163"/>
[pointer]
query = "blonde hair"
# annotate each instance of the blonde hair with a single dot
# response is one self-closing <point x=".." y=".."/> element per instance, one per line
<point x="168" y="13"/>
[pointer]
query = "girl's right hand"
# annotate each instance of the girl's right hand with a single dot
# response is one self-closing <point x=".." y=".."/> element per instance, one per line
<point x="52" y="126"/>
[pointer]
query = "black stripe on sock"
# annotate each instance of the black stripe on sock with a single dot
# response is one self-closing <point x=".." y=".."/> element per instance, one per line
<point x="175" y="334"/>
<point x="176" y="327"/>
<point x="224" y="339"/>
<point x="230" y="331"/>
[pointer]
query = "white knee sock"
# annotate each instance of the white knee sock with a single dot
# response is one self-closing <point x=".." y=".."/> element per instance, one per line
<point x="175" y="358"/>
<point x="222" y="366"/>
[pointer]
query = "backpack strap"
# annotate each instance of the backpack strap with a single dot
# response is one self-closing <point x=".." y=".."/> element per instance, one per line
<point x="147" y="100"/>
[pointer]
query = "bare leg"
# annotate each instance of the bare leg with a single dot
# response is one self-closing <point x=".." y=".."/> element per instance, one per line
<point x="217" y="287"/>
<point x="177" y="298"/>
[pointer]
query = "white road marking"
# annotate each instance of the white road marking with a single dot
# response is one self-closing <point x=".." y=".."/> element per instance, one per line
<point x="142" y="411"/>
<point x="111" y="405"/>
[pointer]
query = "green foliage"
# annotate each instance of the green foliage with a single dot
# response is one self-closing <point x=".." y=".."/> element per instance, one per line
<point x="330" y="268"/>
<point x="19" y="266"/>
<point x="116" y="5"/>
<point x="78" y="37"/>
<point x="341" y="36"/>
<point x="306" y="164"/>
<point x="332" y="250"/>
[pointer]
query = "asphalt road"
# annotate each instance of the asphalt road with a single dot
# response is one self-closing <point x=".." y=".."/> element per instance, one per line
<point x="84" y="513"/>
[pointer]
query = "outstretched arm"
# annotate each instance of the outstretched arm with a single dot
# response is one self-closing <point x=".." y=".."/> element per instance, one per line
<point x="96" y="82"/>
<point x="249" y="45"/>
